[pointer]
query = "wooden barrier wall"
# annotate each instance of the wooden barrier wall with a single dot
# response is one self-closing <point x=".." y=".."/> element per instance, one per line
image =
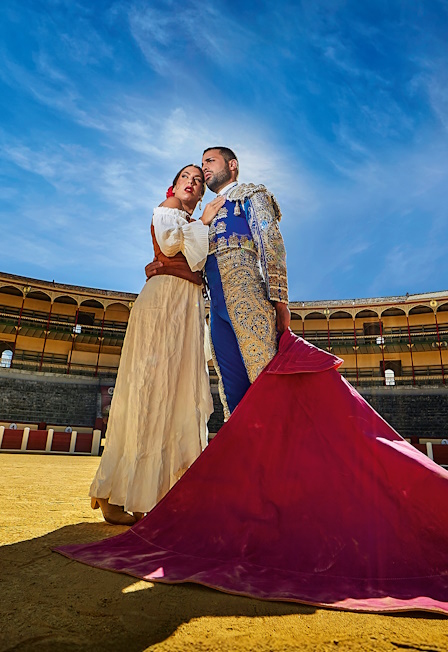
<point x="49" y="441"/>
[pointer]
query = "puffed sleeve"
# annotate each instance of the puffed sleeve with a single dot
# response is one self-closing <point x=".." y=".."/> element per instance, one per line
<point x="174" y="233"/>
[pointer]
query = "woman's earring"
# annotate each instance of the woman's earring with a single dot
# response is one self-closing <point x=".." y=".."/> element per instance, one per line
<point x="200" y="204"/>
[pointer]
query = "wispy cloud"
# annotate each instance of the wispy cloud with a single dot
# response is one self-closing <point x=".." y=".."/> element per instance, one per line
<point x="384" y="226"/>
<point x="48" y="87"/>
<point x="199" y="26"/>
<point x="66" y="167"/>
<point x="180" y="136"/>
<point x="435" y="83"/>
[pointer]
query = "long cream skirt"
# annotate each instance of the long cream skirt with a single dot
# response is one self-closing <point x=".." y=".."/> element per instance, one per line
<point x="161" y="404"/>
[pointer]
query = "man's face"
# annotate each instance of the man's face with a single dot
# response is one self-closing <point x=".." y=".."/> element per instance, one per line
<point x="216" y="170"/>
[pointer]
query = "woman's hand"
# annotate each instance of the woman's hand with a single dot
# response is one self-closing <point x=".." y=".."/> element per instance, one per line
<point x="212" y="208"/>
<point x="151" y="268"/>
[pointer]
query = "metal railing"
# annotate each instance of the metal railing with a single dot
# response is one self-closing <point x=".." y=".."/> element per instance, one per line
<point x="39" y="318"/>
<point x="56" y="363"/>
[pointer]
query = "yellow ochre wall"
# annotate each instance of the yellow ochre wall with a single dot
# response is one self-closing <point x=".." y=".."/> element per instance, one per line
<point x="59" y="349"/>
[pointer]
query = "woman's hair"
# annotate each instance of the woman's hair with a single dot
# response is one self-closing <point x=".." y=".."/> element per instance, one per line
<point x="191" y="165"/>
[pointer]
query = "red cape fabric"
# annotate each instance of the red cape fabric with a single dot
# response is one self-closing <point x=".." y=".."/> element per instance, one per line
<point x="306" y="494"/>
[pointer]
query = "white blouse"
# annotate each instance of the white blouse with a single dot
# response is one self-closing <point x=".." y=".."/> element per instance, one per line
<point x="174" y="233"/>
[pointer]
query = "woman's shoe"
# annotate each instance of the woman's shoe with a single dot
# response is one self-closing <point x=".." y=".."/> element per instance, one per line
<point x="139" y="515"/>
<point x="113" y="514"/>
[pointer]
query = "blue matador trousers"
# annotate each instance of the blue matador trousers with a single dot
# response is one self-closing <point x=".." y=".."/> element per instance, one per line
<point x="242" y="323"/>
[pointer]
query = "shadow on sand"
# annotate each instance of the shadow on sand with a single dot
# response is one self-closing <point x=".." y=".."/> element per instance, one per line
<point x="49" y="602"/>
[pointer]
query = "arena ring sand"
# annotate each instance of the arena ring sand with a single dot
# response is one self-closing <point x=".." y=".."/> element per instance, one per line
<point x="48" y="602"/>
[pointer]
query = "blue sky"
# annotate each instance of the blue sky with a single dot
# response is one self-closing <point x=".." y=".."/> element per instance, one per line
<point x="339" y="107"/>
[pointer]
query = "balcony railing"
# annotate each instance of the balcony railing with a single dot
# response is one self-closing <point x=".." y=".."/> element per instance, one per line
<point x="34" y="323"/>
<point x="423" y="337"/>
<point x="39" y="316"/>
<point x="56" y="363"/>
<point x="423" y="375"/>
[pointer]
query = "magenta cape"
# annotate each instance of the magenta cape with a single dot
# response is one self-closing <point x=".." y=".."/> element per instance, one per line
<point x="306" y="494"/>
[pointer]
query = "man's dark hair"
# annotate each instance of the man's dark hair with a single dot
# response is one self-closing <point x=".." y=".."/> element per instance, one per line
<point x="225" y="152"/>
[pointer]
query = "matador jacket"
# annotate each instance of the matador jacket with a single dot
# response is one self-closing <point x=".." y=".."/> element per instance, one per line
<point x="246" y="273"/>
<point x="263" y="216"/>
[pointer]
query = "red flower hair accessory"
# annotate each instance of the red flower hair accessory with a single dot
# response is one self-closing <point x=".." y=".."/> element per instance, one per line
<point x="169" y="192"/>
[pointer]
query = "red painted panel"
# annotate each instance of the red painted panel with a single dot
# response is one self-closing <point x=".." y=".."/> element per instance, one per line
<point x="440" y="452"/>
<point x="61" y="442"/>
<point x="12" y="439"/>
<point x="37" y="440"/>
<point x="83" y="442"/>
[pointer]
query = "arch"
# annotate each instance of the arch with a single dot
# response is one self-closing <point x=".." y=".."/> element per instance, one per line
<point x="92" y="303"/>
<point x="65" y="298"/>
<point x="118" y="312"/>
<point x="393" y="312"/>
<point x="296" y="316"/>
<point x="5" y="346"/>
<point x="366" y="313"/>
<point x="11" y="289"/>
<point x="120" y="305"/>
<point x="341" y="314"/>
<point x="40" y="296"/>
<point x="85" y="318"/>
<point x="6" y="358"/>
<point x="443" y="307"/>
<point x="315" y="315"/>
<point x="420" y="310"/>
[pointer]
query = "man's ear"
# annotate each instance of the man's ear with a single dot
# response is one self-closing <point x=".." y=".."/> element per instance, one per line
<point x="233" y="164"/>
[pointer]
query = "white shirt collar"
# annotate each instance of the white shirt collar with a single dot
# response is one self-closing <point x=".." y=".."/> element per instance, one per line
<point x="226" y="189"/>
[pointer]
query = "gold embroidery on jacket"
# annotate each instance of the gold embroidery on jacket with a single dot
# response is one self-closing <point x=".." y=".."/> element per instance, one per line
<point x="221" y="215"/>
<point x="251" y="313"/>
<point x="263" y="216"/>
<point x="232" y="242"/>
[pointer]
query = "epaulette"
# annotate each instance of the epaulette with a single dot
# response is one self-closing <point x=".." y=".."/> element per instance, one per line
<point x="244" y="191"/>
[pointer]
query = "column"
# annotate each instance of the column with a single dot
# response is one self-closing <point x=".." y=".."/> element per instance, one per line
<point x="73" y="340"/>
<point x="355" y="348"/>
<point x="382" y="348"/>
<point x="439" y="342"/>
<point x="410" y="345"/>
<point x="46" y="335"/>
<point x="101" y="339"/>
<point x="26" y="290"/>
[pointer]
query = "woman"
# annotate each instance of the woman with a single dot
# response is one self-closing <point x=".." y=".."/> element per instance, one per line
<point x="158" y="419"/>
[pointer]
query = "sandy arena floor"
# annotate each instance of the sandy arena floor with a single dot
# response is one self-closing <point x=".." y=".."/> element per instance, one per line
<point x="48" y="602"/>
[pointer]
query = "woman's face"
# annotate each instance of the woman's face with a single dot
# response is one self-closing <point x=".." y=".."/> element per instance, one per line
<point x="189" y="185"/>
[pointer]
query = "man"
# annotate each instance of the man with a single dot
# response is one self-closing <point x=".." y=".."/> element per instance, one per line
<point x="246" y="275"/>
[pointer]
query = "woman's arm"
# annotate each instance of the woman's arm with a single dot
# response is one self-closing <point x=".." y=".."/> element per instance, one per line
<point x="174" y="234"/>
